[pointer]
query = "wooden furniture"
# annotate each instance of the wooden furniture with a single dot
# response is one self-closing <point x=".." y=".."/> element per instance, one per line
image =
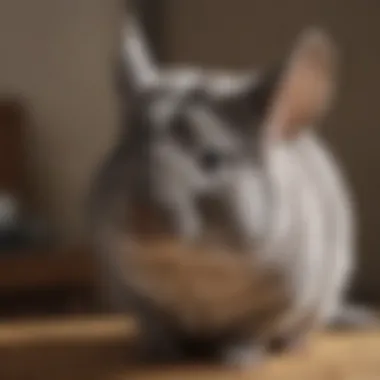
<point x="70" y="268"/>
<point x="34" y="280"/>
<point x="101" y="348"/>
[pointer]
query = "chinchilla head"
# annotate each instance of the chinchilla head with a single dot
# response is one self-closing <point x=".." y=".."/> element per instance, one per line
<point x="199" y="124"/>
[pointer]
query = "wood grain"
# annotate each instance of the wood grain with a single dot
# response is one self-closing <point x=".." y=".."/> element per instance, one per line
<point x="75" y="331"/>
<point x="44" y="268"/>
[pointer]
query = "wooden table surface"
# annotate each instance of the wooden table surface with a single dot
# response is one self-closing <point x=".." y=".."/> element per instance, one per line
<point x="99" y="348"/>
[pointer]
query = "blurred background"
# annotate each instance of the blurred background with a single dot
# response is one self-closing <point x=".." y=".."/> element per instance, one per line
<point x="58" y="117"/>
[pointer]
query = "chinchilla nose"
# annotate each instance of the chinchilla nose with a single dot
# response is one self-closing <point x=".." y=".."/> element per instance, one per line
<point x="210" y="160"/>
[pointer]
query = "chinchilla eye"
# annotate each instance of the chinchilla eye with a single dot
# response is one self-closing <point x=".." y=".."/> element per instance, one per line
<point x="211" y="160"/>
<point x="181" y="131"/>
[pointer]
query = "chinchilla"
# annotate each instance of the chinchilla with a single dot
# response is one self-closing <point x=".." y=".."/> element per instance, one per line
<point x="221" y="218"/>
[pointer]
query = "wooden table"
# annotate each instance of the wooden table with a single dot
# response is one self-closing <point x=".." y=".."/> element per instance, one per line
<point x="101" y="348"/>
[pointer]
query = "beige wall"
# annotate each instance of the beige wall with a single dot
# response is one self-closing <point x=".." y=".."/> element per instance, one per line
<point x="56" y="54"/>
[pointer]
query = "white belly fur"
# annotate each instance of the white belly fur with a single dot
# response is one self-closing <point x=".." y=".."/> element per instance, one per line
<point x="318" y="237"/>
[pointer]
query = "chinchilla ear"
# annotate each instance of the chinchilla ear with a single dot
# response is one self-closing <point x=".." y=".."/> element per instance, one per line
<point x="139" y="68"/>
<point x="304" y="88"/>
